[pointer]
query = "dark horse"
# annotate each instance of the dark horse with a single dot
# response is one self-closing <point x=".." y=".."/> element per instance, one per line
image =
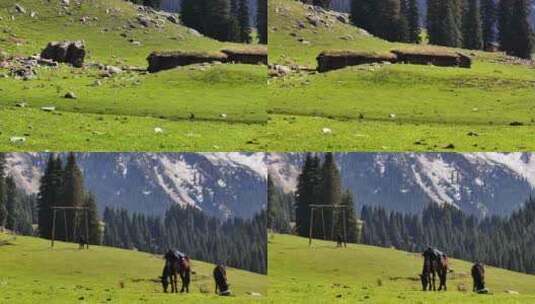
<point x="221" y="283"/>
<point x="478" y="275"/>
<point x="176" y="265"/>
<point x="435" y="264"/>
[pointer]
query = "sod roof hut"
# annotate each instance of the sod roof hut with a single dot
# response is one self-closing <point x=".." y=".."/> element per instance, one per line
<point x="159" y="61"/>
<point x="433" y="57"/>
<point x="337" y="59"/>
<point x="257" y="55"/>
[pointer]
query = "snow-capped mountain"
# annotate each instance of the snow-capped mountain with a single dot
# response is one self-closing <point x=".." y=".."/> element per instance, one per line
<point x="221" y="184"/>
<point x="482" y="184"/>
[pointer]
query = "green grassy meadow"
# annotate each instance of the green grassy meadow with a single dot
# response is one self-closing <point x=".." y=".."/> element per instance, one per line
<point x="494" y="99"/>
<point x="32" y="272"/>
<point x="200" y="98"/>
<point x="323" y="273"/>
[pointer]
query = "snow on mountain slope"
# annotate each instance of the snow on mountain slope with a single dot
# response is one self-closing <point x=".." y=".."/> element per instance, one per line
<point x="222" y="184"/>
<point x="478" y="183"/>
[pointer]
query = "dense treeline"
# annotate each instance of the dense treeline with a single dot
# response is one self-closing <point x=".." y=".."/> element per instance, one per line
<point x="320" y="183"/>
<point x="63" y="186"/>
<point x="280" y="209"/>
<point x="236" y="242"/>
<point x="502" y="242"/>
<point x="262" y="21"/>
<point x="17" y="209"/>
<point x="225" y="20"/>
<point x="469" y="24"/>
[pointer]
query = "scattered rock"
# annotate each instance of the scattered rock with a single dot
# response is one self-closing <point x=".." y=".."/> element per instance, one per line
<point x="392" y="116"/>
<point x="314" y="20"/>
<point x="173" y="19"/>
<point x="342" y="18"/>
<point x="48" y="109"/>
<point x="449" y="147"/>
<point x="512" y="292"/>
<point x="223" y="115"/>
<point x="254" y="294"/>
<point x="113" y="70"/>
<point x="326" y="131"/>
<point x="17" y="139"/>
<point x="70" y="95"/>
<point x="516" y="124"/>
<point x="472" y="133"/>
<point x="65" y="2"/>
<point x="144" y="21"/>
<point x="24" y="73"/>
<point x="158" y="130"/>
<point x="278" y="70"/>
<point x="20" y="8"/>
<point x="21" y="105"/>
<point x="461" y="287"/>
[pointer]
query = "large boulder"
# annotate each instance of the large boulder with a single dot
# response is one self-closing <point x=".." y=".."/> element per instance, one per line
<point x="72" y="52"/>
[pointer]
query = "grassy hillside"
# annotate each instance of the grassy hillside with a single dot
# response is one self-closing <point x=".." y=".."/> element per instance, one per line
<point x="391" y="107"/>
<point x="220" y="96"/>
<point x="363" y="274"/>
<point x="32" y="272"/>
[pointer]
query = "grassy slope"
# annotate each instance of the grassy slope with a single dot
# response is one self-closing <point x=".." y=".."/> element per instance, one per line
<point x="363" y="274"/>
<point x="31" y="272"/>
<point x="237" y="91"/>
<point x="449" y="103"/>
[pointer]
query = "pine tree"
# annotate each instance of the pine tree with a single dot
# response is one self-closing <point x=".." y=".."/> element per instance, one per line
<point x="3" y="209"/>
<point x="351" y="217"/>
<point x="521" y="40"/>
<point x="413" y="20"/>
<point x="243" y="21"/>
<point x="387" y="21"/>
<point x="505" y="15"/>
<point x="472" y="27"/>
<point x="11" y="204"/>
<point x="308" y="191"/>
<point x="443" y="22"/>
<point x="261" y="21"/>
<point x="190" y="13"/>
<point x="93" y="223"/>
<point x="50" y="188"/>
<point x="331" y="191"/>
<point x="364" y="14"/>
<point x="488" y="20"/>
<point x="73" y="195"/>
<point x="403" y="31"/>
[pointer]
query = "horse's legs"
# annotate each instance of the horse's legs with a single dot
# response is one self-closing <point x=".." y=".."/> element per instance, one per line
<point x="187" y="281"/>
<point x="175" y="283"/>
<point x="433" y="280"/>
<point x="445" y="277"/>
<point x="185" y="278"/>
